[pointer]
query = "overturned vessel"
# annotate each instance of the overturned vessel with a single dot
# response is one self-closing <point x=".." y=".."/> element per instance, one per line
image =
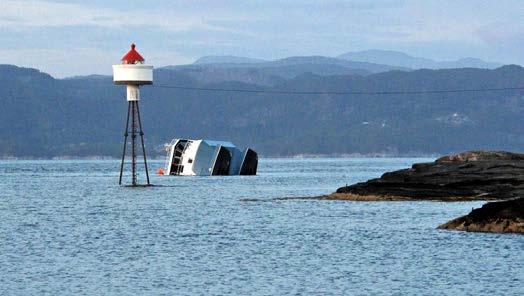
<point x="186" y="157"/>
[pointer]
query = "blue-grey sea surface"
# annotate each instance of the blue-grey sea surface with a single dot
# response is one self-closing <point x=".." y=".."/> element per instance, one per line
<point x="67" y="228"/>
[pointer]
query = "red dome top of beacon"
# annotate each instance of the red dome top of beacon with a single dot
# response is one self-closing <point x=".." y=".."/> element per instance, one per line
<point x="132" y="57"/>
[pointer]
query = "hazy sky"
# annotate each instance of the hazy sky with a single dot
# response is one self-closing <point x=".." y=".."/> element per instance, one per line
<point x="66" y="38"/>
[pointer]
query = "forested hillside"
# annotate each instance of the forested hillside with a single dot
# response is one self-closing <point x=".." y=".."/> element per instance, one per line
<point x="43" y="117"/>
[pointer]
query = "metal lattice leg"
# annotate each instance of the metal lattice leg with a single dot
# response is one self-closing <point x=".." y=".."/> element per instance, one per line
<point x="142" y="138"/>
<point x="133" y="142"/>
<point x="125" y="144"/>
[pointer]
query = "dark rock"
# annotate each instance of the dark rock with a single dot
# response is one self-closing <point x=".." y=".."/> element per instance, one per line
<point x="474" y="175"/>
<point x="504" y="217"/>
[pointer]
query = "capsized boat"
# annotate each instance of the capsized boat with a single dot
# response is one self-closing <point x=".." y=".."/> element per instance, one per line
<point x="187" y="157"/>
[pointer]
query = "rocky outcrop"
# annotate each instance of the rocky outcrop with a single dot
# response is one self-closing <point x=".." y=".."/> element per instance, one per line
<point x="504" y="217"/>
<point x="473" y="175"/>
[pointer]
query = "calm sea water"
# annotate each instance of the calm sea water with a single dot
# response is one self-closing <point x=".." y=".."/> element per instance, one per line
<point x="68" y="228"/>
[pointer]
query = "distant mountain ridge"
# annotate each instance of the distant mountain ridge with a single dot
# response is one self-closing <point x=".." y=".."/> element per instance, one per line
<point x="386" y="58"/>
<point x="227" y="59"/>
<point x="227" y="68"/>
<point x="400" y="59"/>
<point x="216" y="69"/>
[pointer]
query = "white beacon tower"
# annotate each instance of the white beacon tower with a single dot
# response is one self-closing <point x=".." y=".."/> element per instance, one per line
<point x="133" y="73"/>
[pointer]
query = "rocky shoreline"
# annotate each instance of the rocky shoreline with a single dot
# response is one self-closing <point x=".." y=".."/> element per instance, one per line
<point x="468" y="176"/>
<point x="502" y="217"/>
<point x="474" y="175"/>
